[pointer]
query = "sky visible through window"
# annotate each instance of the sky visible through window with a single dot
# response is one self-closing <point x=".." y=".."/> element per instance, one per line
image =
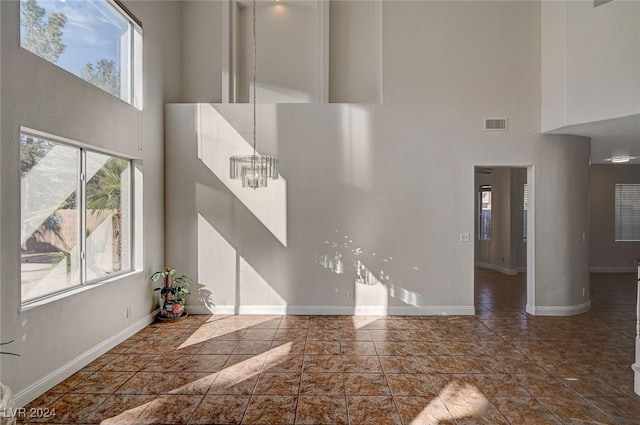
<point x="93" y="32"/>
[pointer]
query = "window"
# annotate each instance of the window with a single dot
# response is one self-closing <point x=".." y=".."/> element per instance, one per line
<point x="627" y="212"/>
<point x="99" y="41"/>
<point x="525" y="207"/>
<point x="484" y="213"/>
<point x="75" y="216"/>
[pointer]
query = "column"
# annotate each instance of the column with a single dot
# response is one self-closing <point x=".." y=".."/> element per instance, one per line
<point x="559" y="284"/>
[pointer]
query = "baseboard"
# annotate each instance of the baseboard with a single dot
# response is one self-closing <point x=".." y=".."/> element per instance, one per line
<point x="335" y="310"/>
<point x="612" y="269"/>
<point x="460" y="310"/>
<point x="553" y="310"/>
<point x="203" y="309"/>
<point x="522" y="269"/>
<point x="41" y="386"/>
<point x="504" y="270"/>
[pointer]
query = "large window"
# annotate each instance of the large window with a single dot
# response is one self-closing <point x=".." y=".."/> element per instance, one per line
<point x="484" y="213"/>
<point x="75" y="216"/>
<point x="627" y="212"/>
<point x="99" y="41"/>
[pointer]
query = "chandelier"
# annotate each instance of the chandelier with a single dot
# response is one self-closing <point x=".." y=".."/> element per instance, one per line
<point x="254" y="170"/>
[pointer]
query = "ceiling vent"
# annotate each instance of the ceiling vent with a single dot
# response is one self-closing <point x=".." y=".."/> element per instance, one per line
<point x="493" y="124"/>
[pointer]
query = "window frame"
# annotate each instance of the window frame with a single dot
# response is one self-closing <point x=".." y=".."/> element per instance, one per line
<point x="82" y="217"/>
<point x="616" y="207"/>
<point x="135" y="26"/>
<point x="484" y="188"/>
<point x="135" y="74"/>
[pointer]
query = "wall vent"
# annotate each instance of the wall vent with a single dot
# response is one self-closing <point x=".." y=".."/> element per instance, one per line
<point x="491" y="124"/>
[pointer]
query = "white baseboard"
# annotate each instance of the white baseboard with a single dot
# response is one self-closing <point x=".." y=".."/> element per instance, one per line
<point x="203" y="309"/>
<point x="510" y="272"/>
<point x="612" y="269"/>
<point x="335" y="310"/>
<point x="41" y="386"/>
<point x="522" y="269"/>
<point x="553" y="310"/>
<point x="636" y="377"/>
<point x="636" y="368"/>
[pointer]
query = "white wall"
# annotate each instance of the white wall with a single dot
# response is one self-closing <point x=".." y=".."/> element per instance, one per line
<point x="1" y="170"/>
<point x="287" y="51"/>
<point x="287" y="61"/>
<point x="200" y="64"/>
<point x="606" y="254"/>
<point x="355" y="73"/>
<point x="560" y="242"/>
<point x="397" y="179"/>
<point x="590" y="61"/>
<point x="44" y="97"/>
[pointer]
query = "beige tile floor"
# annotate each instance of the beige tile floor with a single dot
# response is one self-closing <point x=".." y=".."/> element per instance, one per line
<point x="499" y="367"/>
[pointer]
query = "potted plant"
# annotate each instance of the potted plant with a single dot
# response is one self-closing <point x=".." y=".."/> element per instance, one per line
<point x="172" y="293"/>
<point x="8" y="410"/>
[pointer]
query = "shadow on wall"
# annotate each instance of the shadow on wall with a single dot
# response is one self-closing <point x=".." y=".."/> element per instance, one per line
<point x="235" y="274"/>
<point x="217" y="141"/>
<point x="372" y="290"/>
<point x="224" y="267"/>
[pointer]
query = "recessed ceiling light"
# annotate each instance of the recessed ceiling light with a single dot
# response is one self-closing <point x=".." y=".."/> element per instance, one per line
<point x="619" y="159"/>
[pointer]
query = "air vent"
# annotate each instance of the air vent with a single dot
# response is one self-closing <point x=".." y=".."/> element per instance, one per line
<point x="492" y="124"/>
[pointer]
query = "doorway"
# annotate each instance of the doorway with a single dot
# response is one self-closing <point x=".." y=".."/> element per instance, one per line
<point x="500" y="238"/>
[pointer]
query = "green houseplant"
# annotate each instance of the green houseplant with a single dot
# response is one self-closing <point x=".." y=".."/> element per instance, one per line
<point x="172" y="293"/>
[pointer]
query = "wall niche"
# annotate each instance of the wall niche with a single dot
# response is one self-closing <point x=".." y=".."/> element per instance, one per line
<point x="308" y="51"/>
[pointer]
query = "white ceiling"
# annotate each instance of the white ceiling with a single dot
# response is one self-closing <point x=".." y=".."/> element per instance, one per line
<point x="620" y="136"/>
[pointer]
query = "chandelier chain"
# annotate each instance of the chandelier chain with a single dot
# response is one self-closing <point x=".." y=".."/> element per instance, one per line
<point x="255" y="60"/>
<point x="254" y="170"/>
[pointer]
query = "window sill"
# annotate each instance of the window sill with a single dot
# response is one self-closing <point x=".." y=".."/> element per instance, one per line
<point x="29" y="305"/>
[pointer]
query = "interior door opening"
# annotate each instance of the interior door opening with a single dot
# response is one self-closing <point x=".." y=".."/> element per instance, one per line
<point x="501" y="236"/>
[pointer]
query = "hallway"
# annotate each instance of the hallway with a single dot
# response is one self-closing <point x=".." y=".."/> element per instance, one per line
<point x="497" y="292"/>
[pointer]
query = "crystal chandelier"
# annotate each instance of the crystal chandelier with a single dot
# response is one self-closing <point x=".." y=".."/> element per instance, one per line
<point x="254" y="170"/>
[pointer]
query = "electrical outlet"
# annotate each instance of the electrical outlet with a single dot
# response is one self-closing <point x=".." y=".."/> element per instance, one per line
<point x="465" y="237"/>
<point x="349" y="294"/>
<point x="128" y="312"/>
<point x="584" y="292"/>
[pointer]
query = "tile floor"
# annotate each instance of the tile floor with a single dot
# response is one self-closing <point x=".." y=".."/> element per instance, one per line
<point x="499" y="367"/>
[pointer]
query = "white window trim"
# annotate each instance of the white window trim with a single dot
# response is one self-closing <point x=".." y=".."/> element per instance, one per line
<point x="135" y="93"/>
<point x="56" y="296"/>
<point x="616" y="236"/>
<point x="135" y="237"/>
<point x="484" y="188"/>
